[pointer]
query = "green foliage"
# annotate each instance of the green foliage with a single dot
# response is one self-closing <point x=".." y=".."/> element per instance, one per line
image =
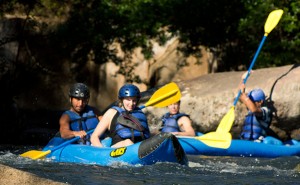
<point x="282" y="45"/>
<point x="233" y="29"/>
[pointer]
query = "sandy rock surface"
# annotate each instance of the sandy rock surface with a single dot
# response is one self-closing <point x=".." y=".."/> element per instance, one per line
<point x="208" y="98"/>
<point x="12" y="176"/>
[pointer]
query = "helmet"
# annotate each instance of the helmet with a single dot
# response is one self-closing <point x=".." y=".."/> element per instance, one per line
<point x="129" y="90"/>
<point x="257" y="95"/>
<point x="79" y="90"/>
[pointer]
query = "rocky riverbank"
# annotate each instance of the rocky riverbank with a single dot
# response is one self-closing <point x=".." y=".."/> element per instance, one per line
<point x="12" y="176"/>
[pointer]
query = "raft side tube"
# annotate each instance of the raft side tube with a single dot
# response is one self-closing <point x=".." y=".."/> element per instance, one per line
<point x="150" y="145"/>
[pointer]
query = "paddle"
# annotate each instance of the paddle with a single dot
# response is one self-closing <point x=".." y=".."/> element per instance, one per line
<point x="37" y="154"/>
<point x="272" y="21"/>
<point x="222" y="138"/>
<point x="213" y="139"/>
<point x="164" y="96"/>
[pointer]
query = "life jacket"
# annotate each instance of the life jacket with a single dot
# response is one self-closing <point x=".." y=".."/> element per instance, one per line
<point x="170" y="124"/>
<point x="130" y="125"/>
<point x="254" y="127"/>
<point x="86" y="121"/>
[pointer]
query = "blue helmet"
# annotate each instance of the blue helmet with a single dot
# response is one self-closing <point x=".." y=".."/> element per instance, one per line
<point x="257" y="95"/>
<point x="79" y="90"/>
<point x="129" y="90"/>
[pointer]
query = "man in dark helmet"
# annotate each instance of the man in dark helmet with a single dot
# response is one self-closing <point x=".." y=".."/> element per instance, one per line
<point x="127" y="124"/>
<point x="81" y="117"/>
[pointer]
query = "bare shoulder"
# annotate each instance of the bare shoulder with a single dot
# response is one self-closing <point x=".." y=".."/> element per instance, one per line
<point x="64" y="117"/>
<point x="107" y="117"/>
<point x="184" y="119"/>
<point x="110" y="112"/>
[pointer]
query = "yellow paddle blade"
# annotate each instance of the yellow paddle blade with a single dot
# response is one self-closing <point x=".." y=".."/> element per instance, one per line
<point x="165" y="96"/>
<point x="272" y="20"/>
<point x="35" y="154"/>
<point x="226" y="121"/>
<point x="216" y="139"/>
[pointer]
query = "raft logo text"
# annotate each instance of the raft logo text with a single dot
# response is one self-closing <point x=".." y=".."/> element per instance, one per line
<point x="118" y="152"/>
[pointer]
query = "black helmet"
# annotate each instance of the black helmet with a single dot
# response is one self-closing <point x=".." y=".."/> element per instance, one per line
<point x="129" y="90"/>
<point x="79" y="90"/>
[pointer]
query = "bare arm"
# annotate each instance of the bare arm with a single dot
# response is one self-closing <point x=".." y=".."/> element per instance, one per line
<point x="102" y="127"/>
<point x="65" y="130"/>
<point x="185" y="125"/>
<point x="249" y="104"/>
<point x="246" y="100"/>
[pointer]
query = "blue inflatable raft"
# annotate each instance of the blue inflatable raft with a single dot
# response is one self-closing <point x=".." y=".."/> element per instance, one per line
<point x="163" y="147"/>
<point x="267" y="148"/>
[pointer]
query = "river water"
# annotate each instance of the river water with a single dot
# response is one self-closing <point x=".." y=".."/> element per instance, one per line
<point x="201" y="170"/>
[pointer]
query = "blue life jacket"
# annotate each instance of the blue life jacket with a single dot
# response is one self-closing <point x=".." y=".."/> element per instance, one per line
<point x="87" y="121"/>
<point x="129" y="126"/>
<point x="170" y="124"/>
<point x="254" y="127"/>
